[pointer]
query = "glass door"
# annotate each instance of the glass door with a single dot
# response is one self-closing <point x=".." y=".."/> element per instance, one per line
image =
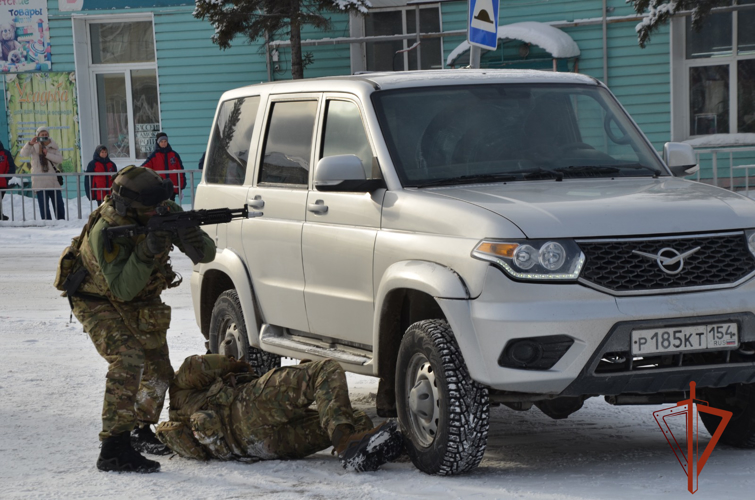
<point x="128" y="112"/>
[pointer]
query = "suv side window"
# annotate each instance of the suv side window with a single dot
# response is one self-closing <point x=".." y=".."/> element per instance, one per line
<point x="344" y="134"/>
<point x="229" y="148"/>
<point x="288" y="145"/>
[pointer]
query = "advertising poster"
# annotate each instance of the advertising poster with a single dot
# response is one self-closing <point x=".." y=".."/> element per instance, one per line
<point x="47" y="99"/>
<point x="25" y="36"/>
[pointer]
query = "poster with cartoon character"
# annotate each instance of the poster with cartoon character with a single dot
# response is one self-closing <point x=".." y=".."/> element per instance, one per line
<point x="24" y="36"/>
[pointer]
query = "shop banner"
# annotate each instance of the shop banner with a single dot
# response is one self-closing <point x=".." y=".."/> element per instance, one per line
<point x="25" y="36"/>
<point x="48" y="99"/>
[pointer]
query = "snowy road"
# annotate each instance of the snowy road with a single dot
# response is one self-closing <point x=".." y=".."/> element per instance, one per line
<point x="51" y="396"/>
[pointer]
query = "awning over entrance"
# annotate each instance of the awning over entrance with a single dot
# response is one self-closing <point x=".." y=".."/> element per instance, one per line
<point x="556" y="42"/>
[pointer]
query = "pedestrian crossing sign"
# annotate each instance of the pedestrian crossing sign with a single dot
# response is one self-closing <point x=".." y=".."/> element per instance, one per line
<point x="483" y="23"/>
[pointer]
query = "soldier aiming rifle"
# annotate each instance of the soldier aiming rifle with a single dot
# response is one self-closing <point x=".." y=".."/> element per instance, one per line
<point x="114" y="285"/>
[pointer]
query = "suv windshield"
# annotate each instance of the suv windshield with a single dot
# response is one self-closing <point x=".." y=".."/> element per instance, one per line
<point x="510" y="132"/>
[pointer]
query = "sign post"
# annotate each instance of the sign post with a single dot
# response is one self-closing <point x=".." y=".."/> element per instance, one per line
<point x="482" y="31"/>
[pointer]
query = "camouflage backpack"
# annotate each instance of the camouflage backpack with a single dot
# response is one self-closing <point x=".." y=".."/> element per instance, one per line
<point x="71" y="273"/>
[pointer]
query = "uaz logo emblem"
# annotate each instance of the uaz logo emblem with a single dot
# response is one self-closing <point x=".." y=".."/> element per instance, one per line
<point x="669" y="260"/>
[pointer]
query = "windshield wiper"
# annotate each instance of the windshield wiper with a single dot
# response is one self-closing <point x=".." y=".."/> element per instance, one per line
<point x="469" y="179"/>
<point x="537" y="173"/>
<point x="586" y="170"/>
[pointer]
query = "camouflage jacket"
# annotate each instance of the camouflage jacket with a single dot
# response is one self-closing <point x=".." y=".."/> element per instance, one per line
<point x="120" y="275"/>
<point x="201" y="395"/>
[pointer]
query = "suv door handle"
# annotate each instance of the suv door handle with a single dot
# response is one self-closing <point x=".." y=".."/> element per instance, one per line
<point x="257" y="202"/>
<point x="318" y="207"/>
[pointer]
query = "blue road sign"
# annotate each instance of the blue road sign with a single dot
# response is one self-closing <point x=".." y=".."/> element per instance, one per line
<point x="483" y="23"/>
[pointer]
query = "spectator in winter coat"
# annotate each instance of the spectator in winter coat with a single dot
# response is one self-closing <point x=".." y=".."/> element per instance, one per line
<point x="7" y="166"/>
<point x="164" y="159"/>
<point x="44" y="156"/>
<point x="98" y="186"/>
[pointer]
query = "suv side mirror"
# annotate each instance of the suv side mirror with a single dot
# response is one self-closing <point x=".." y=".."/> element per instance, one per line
<point x="680" y="159"/>
<point x="344" y="173"/>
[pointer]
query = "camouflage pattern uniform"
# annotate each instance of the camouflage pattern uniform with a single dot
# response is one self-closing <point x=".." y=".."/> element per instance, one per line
<point x="119" y="306"/>
<point x="216" y="413"/>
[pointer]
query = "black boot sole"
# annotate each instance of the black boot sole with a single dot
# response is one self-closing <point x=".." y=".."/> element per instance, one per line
<point x="374" y="450"/>
<point x="113" y="465"/>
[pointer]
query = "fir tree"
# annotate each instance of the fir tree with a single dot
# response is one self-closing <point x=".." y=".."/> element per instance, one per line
<point x="660" y="11"/>
<point x="254" y="18"/>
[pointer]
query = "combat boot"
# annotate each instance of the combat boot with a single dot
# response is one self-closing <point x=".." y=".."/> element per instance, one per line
<point x="117" y="455"/>
<point x="368" y="450"/>
<point x="144" y="440"/>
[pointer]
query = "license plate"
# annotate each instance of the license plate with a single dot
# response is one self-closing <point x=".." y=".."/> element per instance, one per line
<point x="685" y="338"/>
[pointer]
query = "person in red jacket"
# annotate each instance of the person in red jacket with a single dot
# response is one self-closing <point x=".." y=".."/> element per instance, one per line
<point x="167" y="163"/>
<point x="7" y="166"/>
<point x="98" y="186"/>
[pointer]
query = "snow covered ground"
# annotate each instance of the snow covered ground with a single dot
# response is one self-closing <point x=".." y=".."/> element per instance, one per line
<point x="51" y="396"/>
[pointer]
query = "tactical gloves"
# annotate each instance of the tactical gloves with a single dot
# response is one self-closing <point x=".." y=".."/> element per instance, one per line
<point x="194" y="237"/>
<point x="154" y="244"/>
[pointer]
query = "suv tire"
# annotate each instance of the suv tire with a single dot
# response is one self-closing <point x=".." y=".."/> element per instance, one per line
<point x="228" y="334"/>
<point x="740" y="400"/>
<point x="444" y="414"/>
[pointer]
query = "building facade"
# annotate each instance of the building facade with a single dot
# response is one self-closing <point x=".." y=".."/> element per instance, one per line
<point x="140" y="66"/>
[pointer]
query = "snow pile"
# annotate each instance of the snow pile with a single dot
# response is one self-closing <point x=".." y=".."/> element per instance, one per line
<point x="722" y="140"/>
<point x="556" y="42"/>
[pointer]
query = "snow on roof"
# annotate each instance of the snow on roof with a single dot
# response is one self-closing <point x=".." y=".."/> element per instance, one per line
<point x="722" y="140"/>
<point x="559" y="44"/>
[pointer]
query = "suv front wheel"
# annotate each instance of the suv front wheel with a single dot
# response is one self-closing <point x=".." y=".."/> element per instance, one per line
<point x="739" y="399"/>
<point x="443" y="412"/>
<point x="228" y="334"/>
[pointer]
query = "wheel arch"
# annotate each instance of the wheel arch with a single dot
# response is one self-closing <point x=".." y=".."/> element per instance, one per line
<point x="227" y="272"/>
<point x="408" y="293"/>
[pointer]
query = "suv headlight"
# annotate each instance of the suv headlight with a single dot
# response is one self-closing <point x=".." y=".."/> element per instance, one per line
<point x="750" y="235"/>
<point x="536" y="260"/>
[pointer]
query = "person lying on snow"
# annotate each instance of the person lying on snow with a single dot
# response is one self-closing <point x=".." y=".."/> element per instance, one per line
<point x="220" y="409"/>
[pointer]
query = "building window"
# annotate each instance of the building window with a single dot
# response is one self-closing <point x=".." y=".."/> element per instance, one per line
<point x="719" y="69"/>
<point x="392" y="55"/>
<point x="123" y="73"/>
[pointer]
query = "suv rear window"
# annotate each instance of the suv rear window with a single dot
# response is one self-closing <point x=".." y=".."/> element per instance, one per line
<point x="229" y="148"/>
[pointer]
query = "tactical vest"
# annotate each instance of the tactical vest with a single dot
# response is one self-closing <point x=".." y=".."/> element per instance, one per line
<point x="203" y="429"/>
<point x="95" y="283"/>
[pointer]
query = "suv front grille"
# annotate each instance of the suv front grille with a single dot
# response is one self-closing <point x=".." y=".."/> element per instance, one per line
<point x="722" y="260"/>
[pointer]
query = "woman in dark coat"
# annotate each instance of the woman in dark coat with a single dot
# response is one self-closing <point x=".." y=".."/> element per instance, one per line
<point x="98" y="186"/>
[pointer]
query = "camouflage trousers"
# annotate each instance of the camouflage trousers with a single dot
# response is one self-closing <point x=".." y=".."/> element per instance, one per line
<point x="272" y="418"/>
<point x="132" y="338"/>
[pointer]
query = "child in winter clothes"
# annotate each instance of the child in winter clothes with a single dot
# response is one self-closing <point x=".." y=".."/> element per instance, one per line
<point x="164" y="160"/>
<point x="7" y="166"/>
<point x="98" y="186"/>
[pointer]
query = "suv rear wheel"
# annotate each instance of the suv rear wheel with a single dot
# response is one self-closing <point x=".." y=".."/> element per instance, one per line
<point x="740" y="400"/>
<point x="443" y="412"/>
<point x="228" y="334"/>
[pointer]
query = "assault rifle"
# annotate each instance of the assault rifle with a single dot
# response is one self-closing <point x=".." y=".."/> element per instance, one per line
<point x="176" y="223"/>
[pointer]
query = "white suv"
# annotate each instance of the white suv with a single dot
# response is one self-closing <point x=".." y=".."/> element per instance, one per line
<point x="475" y="237"/>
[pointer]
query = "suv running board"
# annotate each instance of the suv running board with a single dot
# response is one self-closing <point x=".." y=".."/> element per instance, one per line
<point x="280" y="337"/>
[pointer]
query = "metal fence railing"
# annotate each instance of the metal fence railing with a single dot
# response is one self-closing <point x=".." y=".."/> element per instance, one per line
<point x="724" y="164"/>
<point x="19" y="201"/>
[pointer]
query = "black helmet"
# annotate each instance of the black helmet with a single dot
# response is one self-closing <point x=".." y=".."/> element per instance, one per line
<point x="139" y="187"/>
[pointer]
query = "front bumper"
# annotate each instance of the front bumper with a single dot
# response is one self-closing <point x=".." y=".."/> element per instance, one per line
<point x="506" y="310"/>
